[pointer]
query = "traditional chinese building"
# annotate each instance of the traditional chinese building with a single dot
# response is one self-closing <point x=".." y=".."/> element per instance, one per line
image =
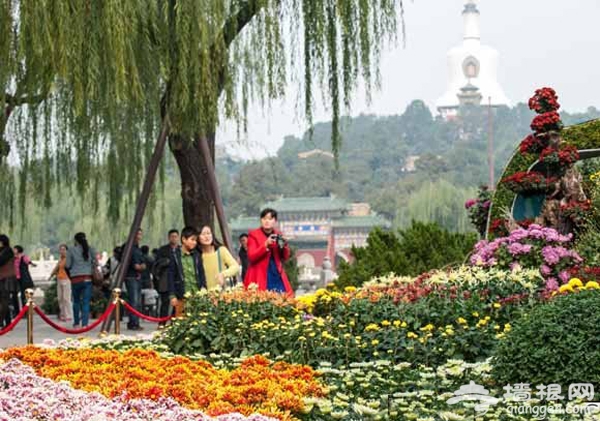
<point x="319" y="227"/>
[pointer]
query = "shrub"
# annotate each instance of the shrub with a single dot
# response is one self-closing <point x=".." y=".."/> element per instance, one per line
<point x="558" y="342"/>
<point x="50" y="304"/>
<point x="418" y="249"/>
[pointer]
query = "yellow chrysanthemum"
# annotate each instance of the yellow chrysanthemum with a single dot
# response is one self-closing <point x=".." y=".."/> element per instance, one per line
<point x="565" y="288"/>
<point x="576" y="282"/>
<point x="372" y="328"/>
<point x="592" y="285"/>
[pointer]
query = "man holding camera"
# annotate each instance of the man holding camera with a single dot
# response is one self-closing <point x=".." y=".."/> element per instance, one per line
<point x="267" y="251"/>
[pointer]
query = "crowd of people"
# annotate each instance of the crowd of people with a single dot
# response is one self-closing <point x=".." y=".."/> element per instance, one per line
<point x="156" y="281"/>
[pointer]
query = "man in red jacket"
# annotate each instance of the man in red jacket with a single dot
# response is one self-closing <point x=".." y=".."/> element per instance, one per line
<point x="267" y="250"/>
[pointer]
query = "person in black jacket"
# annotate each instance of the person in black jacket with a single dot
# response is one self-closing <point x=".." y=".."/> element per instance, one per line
<point x="243" y="254"/>
<point x="160" y="271"/>
<point x="7" y="279"/>
<point x="186" y="273"/>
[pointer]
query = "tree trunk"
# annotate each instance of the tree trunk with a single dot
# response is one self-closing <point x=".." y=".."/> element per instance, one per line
<point x="197" y="201"/>
<point x="4" y="146"/>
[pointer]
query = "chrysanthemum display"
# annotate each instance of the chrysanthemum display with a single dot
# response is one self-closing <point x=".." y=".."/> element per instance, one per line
<point x="28" y="396"/>
<point x="257" y="386"/>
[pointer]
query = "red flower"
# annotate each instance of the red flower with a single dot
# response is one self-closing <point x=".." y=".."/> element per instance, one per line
<point x="531" y="144"/>
<point x="544" y="100"/>
<point x="523" y="181"/>
<point x="498" y="227"/>
<point x="564" y="156"/>
<point x="545" y="122"/>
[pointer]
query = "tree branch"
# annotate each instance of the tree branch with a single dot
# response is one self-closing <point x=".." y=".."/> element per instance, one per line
<point x="16" y="100"/>
<point x="238" y="21"/>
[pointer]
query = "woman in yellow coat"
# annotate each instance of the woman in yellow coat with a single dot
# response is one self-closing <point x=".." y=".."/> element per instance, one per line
<point x="220" y="268"/>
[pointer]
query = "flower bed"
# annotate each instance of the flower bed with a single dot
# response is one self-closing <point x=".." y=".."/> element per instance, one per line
<point x="427" y="319"/>
<point x="255" y="386"/>
<point x="532" y="247"/>
<point x="26" y="396"/>
<point x="396" y="349"/>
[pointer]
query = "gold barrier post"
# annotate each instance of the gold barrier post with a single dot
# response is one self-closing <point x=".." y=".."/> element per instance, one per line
<point x="29" y="296"/>
<point x="117" y="301"/>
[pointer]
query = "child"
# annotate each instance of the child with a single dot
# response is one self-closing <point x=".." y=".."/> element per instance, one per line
<point x="186" y="273"/>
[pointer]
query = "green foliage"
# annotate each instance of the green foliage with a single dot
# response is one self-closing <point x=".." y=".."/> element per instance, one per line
<point x="100" y="77"/>
<point x="412" y="321"/>
<point x="417" y="249"/>
<point x="50" y="305"/>
<point x="558" y="342"/>
<point x="291" y="269"/>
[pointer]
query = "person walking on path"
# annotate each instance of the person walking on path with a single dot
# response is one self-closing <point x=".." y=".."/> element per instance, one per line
<point x="7" y="276"/>
<point x="186" y="273"/>
<point x="267" y="251"/>
<point x="81" y="261"/>
<point x="219" y="265"/>
<point x="63" y="286"/>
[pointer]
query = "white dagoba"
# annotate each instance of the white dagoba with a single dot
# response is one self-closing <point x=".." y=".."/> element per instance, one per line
<point x="471" y="65"/>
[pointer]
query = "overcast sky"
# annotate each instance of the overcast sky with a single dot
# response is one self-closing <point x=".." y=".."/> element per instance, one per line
<point x="541" y="43"/>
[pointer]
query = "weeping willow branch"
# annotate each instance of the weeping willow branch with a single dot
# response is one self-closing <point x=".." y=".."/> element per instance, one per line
<point x="116" y="67"/>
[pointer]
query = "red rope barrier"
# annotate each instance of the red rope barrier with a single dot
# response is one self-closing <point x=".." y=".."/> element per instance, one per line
<point x="143" y="316"/>
<point x="75" y="331"/>
<point x="16" y="320"/>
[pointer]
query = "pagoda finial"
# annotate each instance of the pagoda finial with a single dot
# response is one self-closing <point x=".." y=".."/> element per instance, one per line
<point x="471" y="17"/>
<point x="471" y="7"/>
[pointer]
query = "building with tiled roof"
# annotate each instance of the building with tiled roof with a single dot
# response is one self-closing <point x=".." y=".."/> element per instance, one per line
<point x="318" y="227"/>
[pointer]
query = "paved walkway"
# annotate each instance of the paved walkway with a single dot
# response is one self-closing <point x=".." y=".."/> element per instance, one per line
<point x="41" y="331"/>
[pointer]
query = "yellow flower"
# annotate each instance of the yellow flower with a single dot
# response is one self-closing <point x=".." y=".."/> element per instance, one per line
<point x="350" y="289"/>
<point x="507" y="327"/>
<point x="449" y="332"/>
<point x="576" y="282"/>
<point x="592" y="285"/>
<point x="403" y="324"/>
<point x="461" y="321"/>
<point x="497" y="305"/>
<point x="372" y="328"/>
<point x="374" y="342"/>
<point x="412" y="335"/>
<point x="385" y="323"/>
<point x="397" y="323"/>
<point x="566" y="288"/>
<point x="475" y="314"/>
<point x="428" y="328"/>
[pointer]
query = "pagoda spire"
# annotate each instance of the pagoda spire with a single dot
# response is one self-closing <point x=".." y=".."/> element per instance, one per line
<point x="471" y="17"/>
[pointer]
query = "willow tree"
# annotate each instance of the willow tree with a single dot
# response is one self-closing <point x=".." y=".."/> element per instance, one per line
<point x="89" y="84"/>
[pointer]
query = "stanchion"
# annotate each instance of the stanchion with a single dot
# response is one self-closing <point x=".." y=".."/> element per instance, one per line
<point x="30" y="304"/>
<point x="117" y="301"/>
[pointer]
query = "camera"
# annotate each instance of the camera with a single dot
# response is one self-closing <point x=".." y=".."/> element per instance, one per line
<point x="279" y="240"/>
